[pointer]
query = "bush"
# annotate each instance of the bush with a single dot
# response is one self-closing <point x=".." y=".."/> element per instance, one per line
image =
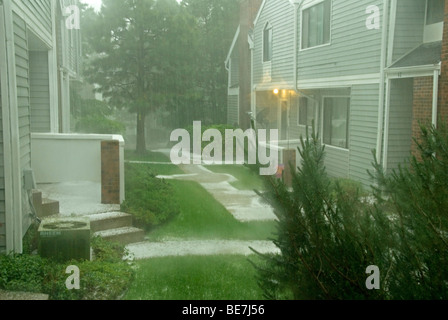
<point x="22" y="273"/>
<point x="326" y="234"/>
<point x="105" y="278"/>
<point x="100" y="125"/>
<point x="417" y="195"/>
<point x="148" y="198"/>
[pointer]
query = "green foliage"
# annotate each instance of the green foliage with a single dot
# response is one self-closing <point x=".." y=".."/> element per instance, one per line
<point x="30" y="240"/>
<point x="105" y="278"/>
<point x="326" y="236"/>
<point x="22" y="273"/>
<point x="100" y="125"/>
<point x="417" y="195"/>
<point x="148" y="198"/>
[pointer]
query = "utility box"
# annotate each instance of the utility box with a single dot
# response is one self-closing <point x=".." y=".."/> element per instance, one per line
<point x="65" y="239"/>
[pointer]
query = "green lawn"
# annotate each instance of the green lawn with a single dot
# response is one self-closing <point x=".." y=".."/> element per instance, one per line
<point x="247" y="179"/>
<point x="195" y="278"/>
<point x="202" y="217"/>
<point x="164" y="169"/>
<point x="149" y="156"/>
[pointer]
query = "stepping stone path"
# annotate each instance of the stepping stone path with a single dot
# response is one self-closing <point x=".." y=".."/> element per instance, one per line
<point x="243" y="205"/>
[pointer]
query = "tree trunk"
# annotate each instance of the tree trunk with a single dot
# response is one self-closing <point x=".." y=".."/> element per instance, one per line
<point x="141" y="137"/>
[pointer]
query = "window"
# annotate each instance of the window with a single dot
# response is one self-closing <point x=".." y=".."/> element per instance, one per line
<point x="316" y="25"/>
<point x="305" y="112"/>
<point x="336" y="122"/>
<point x="267" y="43"/>
<point x="434" y="11"/>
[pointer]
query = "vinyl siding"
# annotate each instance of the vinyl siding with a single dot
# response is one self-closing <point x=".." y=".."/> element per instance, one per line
<point x="234" y="68"/>
<point x="23" y="101"/>
<point x="363" y="131"/>
<point x="353" y="49"/>
<point x="400" y="124"/>
<point x="41" y="9"/>
<point x="23" y="91"/>
<point x="233" y="110"/>
<point x="409" y="25"/>
<point x="280" y="14"/>
<point x="39" y="92"/>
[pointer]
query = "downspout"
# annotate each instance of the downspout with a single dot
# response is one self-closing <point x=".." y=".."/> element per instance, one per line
<point x="12" y="141"/>
<point x="382" y="80"/>
<point x="435" y="97"/>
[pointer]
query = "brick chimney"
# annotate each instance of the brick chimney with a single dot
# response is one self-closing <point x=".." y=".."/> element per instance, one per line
<point x="248" y="12"/>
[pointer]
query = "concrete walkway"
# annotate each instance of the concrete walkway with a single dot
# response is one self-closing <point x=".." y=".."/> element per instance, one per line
<point x="145" y="250"/>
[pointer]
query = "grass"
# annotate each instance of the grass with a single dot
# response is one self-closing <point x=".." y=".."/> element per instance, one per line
<point x="195" y="278"/>
<point x="247" y="179"/>
<point x="165" y="168"/>
<point x="202" y="217"/>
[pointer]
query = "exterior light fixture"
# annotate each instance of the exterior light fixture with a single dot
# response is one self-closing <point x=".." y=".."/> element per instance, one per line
<point x="276" y="91"/>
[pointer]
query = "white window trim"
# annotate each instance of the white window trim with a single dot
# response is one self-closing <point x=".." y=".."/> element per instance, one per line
<point x="322" y="122"/>
<point x="305" y="7"/>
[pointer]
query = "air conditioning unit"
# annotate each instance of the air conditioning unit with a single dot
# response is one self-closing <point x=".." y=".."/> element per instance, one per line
<point x="65" y="239"/>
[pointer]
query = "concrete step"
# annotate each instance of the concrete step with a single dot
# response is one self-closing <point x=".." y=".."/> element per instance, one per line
<point x="44" y="207"/>
<point x="109" y="220"/>
<point x="124" y="235"/>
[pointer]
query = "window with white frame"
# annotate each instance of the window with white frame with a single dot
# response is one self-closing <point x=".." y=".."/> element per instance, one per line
<point x="267" y="43"/>
<point x="336" y="112"/>
<point x="434" y="11"/>
<point x="316" y="22"/>
<point x="306" y="112"/>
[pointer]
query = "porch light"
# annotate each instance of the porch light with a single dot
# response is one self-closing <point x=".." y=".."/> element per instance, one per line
<point x="276" y="91"/>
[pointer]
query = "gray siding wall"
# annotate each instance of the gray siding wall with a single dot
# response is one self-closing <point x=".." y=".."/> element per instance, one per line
<point x="41" y="10"/>
<point x="23" y="100"/>
<point x="234" y="68"/>
<point x="39" y="92"/>
<point x="2" y="185"/>
<point x="23" y="90"/>
<point x="233" y="110"/>
<point x="400" y="123"/>
<point x="280" y="14"/>
<point x="353" y="50"/>
<point x="363" y="131"/>
<point x="409" y="25"/>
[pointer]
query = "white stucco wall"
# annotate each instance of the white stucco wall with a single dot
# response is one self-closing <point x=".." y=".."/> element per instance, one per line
<point x="57" y="158"/>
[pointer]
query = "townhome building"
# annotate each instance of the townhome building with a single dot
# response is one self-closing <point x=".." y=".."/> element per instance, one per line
<point x="365" y="73"/>
<point x="40" y="51"/>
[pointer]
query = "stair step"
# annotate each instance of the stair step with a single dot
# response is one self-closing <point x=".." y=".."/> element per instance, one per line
<point x="37" y="197"/>
<point x="124" y="235"/>
<point x="109" y="220"/>
<point x="48" y="208"/>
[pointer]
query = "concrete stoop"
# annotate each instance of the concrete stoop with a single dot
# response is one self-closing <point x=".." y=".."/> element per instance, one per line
<point x="116" y="227"/>
<point x="44" y="207"/>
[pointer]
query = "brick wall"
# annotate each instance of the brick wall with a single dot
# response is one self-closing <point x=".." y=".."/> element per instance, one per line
<point x="110" y="172"/>
<point x="422" y="107"/>
<point x="443" y="89"/>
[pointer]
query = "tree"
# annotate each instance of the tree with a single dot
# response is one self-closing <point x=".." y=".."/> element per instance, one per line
<point x="217" y="21"/>
<point x="142" y="53"/>
<point x="416" y="196"/>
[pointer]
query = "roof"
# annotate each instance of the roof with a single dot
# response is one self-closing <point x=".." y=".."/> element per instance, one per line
<point x="235" y="38"/>
<point x="426" y="54"/>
